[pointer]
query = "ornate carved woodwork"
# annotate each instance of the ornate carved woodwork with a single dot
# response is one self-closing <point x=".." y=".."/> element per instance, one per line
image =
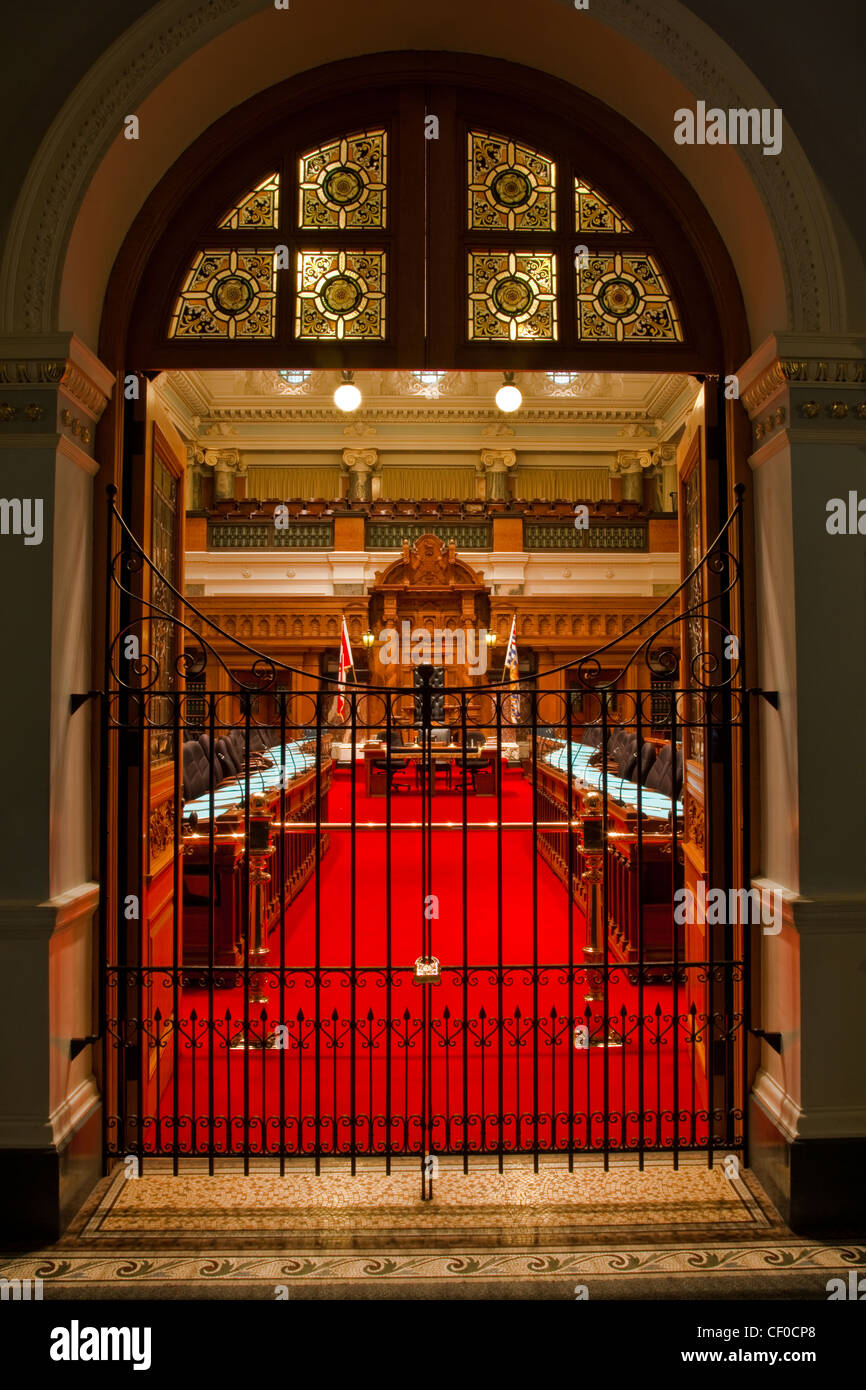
<point x="427" y="588"/>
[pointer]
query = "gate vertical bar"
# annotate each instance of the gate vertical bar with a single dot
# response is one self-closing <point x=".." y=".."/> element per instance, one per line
<point x="745" y="943"/>
<point x="317" y="711"/>
<point x="536" y="1099"/>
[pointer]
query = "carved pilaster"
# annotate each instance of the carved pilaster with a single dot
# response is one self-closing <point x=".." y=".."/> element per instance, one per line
<point x="226" y="465"/>
<point x="360" y="464"/>
<point x="195" y="473"/>
<point x="494" y="466"/>
<point x="630" y="466"/>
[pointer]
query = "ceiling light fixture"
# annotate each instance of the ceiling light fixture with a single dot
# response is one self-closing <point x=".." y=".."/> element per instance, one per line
<point x="347" y="396"/>
<point x="508" y="398"/>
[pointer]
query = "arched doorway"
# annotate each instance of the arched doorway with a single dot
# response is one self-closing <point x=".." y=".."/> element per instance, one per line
<point x="341" y="233"/>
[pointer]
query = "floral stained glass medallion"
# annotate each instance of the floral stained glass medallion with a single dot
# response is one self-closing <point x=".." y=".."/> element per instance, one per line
<point x="625" y="299"/>
<point x="227" y="294"/>
<point x="344" y="184"/>
<point x="512" y="296"/>
<point x="592" y="213"/>
<point x="341" y="295"/>
<point x="260" y="208"/>
<point x="511" y="187"/>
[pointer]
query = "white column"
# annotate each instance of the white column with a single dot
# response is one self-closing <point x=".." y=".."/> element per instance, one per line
<point x="630" y="467"/>
<point x="807" y="402"/>
<point x="360" y="464"/>
<point x="52" y="393"/>
<point x="495" y="465"/>
<point x="226" y="464"/>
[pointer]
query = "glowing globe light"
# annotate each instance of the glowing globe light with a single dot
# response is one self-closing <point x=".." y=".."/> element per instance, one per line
<point x="347" y="396"/>
<point x="509" y="399"/>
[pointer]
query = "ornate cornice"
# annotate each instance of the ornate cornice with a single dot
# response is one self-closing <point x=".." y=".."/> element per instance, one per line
<point x="817" y="371"/>
<point x="788" y="384"/>
<point x="62" y="364"/>
<point x="438" y="413"/>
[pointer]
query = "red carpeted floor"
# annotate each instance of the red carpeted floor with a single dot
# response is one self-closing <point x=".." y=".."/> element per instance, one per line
<point x="486" y="1058"/>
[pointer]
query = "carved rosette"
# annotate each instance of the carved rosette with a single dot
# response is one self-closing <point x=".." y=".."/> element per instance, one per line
<point x="160" y="830"/>
<point x="694" y="819"/>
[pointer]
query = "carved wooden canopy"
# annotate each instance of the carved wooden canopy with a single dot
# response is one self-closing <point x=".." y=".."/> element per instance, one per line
<point x="428" y="577"/>
<point x="429" y="564"/>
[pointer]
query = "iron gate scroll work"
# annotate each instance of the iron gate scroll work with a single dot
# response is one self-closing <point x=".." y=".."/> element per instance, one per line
<point x="436" y="951"/>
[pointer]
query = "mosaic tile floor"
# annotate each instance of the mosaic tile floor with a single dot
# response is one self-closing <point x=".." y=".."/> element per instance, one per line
<point x="482" y="1201"/>
<point x="516" y="1235"/>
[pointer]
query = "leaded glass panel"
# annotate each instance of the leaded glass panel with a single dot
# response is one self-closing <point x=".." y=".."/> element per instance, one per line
<point x="512" y="296"/>
<point x="694" y="599"/>
<point x="511" y="187"/>
<point x="227" y="294"/>
<point x="341" y="295"/>
<point x="163" y="631"/>
<point x="260" y="208"/>
<point x="624" y="298"/>
<point x="344" y="184"/>
<point x="592" y="213"/>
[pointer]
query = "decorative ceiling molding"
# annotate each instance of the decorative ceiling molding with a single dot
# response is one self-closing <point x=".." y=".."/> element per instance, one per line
<point x="464" y="414"/>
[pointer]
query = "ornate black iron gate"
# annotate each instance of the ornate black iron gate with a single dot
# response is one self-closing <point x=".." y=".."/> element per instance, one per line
<point x="335" y="928"/>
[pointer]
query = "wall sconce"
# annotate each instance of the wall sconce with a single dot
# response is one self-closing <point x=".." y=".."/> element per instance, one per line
<point x="367" y="640"/>
<point x="491" y="639"/>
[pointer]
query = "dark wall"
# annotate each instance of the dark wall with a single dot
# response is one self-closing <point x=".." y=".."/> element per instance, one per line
<point x="812" y="59"/>
<point x="809" y="57"/>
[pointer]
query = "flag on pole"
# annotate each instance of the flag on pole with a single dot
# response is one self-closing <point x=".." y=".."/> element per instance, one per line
<point x="512" y="669"/>
<point x="346" y="665"/>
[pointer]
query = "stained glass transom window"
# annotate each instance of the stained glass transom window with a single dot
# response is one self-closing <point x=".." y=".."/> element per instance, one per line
<point x="260" y="208"/>
<point x="625" y="298"/>
<point x="592" y="213"/>
<point x="512" y="296"/>
<point x="344" y="184"/>
<point x="341" y="295"/>
<point x="511" y="187"/>
<point x="227" y="294"/>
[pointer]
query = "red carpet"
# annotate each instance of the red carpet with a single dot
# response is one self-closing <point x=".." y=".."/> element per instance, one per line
<point x="449" y="1094"/>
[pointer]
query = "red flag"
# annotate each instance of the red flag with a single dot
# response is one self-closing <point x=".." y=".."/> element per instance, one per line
<point x="346" y="665"/>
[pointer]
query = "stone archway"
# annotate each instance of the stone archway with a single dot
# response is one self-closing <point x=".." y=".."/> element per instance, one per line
<point x="79" y="198"/>
<point x="173" y="57"/>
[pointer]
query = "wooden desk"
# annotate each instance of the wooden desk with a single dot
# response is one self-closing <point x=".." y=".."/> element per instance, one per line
<point x="290" y="865"/>
<point x="659" y="875"/>
<point x="482" y="761"/>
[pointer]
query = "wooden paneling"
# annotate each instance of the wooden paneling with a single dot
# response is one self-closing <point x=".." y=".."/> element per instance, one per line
<point x="664" y="535"/>
<point x="508" y="533"/>
<point x="349" y="533"/>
